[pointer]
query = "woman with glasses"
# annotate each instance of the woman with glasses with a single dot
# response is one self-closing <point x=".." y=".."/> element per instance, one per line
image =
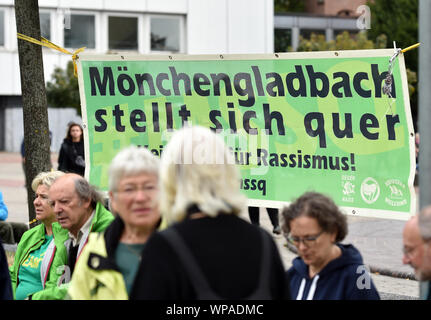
<point x="325" y="269"/>
<point x="108" y="264"/>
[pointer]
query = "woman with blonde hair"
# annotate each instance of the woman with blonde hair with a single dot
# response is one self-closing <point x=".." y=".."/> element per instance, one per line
<point x="34" y="272"/>
<point x="208" y="252"/>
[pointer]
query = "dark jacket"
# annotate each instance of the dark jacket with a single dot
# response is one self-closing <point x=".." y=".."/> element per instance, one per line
<point x="344" y="278"/>
<point x="5" y="283"/>
<point x="228" y="251"/>
<point x="69" y="151"/>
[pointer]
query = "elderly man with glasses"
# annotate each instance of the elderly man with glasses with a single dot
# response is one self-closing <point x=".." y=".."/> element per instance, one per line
<point x="417" y="251"/>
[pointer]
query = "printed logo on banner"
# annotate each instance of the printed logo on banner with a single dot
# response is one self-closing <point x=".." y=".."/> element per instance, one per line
<point x="397" y="190"/>
<point x="348" y="187"/>
<point x="370" y="190"/>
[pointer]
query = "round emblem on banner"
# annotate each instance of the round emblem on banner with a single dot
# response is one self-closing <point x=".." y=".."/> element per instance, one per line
<point x="370" y="190"/>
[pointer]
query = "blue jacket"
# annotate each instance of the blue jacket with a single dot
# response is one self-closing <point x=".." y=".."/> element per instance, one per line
<point x="3" y="209"/>
<point x="344" y="278"/>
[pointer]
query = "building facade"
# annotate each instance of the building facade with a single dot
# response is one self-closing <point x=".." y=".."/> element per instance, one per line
<point x="130" y="26"/>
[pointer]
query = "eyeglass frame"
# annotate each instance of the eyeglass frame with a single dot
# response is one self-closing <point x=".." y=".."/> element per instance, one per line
<point x="312" y="239"/>
<point x="131" y="191"/>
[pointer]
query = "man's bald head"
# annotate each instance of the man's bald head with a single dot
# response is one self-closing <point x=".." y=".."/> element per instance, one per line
<point x="425" y="223"/>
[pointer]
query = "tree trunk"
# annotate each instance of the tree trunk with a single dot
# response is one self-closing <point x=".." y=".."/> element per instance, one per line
<point x="35" y="113"/>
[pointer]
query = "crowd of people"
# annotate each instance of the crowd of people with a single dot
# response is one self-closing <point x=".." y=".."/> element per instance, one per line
<point x="172" y="231"/>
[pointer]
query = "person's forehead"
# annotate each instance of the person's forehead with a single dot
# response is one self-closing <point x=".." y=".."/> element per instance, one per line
<point x="42" y="189"/>
<point x="62" y="189"/>
<point x="142" y="177"/>
<point x="412" y="238"/>
<point x="304" y="225"/>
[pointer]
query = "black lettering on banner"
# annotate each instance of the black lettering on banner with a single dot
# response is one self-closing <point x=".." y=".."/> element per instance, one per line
<point x="118" y="113"/>
<point x="108" y="79"/>
<point x="130" y="85"/>
<point x="314" y="92"/>
<point x="347" y="132"/>
<point x="364" y="125"/>
<point x="320" y="128"/>
<point x="137" y="116"/>
<point x="199" y="80"/>
<point x="103" y="125"/>
<point x="357" y="84"/>
<point x="246" y="90"/>
<point x="302" y="90"/>
<point x="277" y="83"/>
<point x="343" y="83"/>
<point x="140" y="78"/>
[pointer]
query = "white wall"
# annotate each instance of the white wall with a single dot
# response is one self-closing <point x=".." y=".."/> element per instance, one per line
<point x="211" y="27"/>
<point x="230" y="26"/>
<point x="57" y="118"/>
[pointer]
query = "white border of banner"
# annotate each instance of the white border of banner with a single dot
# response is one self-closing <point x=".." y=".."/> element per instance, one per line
<point x="291" y="55"/>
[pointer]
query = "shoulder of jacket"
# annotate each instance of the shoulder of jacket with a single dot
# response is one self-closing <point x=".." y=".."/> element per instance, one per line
<point x="96" y="244"/>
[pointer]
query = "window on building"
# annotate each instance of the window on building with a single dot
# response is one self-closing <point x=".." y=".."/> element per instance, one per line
<point x="123" y="33"/>
<point x="45" y="25"/>
<point x="81" y="32"/>
<point x="1" y="28"/>
<point x="282" y="40"/>
<point x="165" y="34"/>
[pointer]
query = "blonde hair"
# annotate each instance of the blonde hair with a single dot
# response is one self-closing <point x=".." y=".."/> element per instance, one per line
<point x="45" y="178"/>
<point x="197" y="168"/>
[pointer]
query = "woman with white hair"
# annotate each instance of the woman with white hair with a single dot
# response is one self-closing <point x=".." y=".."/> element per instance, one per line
<point x="208" y="252"/>
<point x="108" y="264"/>
<point x="37" y="258"/>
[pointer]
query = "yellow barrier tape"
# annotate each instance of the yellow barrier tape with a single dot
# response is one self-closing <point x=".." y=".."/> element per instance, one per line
<point x="411" y="47"/>
<point x="46" y="43"/>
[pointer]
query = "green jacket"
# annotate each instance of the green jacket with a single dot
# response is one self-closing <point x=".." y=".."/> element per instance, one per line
<point x="101" y="220"/>
<point x="58" y="281"/>
<point x="96" y="275"/>
<point x="52" y="261"/>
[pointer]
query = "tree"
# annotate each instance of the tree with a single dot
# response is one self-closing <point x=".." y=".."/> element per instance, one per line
<point x="398" y="19"/>
<point x="289" y="6"/>
<point x="63" y="91"/>
<point x="345" y="41"/>
<point x="35" y="113"/>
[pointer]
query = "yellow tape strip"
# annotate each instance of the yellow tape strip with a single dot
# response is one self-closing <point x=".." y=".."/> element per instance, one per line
<point x="411" y="47"/>
<point x="46" y="43"/>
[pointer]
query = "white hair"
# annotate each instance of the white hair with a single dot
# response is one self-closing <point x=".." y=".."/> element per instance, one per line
<point x="197" y="168"/>
<point x="131" y="161"/>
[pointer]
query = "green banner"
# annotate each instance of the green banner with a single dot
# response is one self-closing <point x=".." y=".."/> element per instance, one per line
<point x="295" y="122"/>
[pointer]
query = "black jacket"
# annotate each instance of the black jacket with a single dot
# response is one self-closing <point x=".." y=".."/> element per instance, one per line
<point x="69" y="151"/>
<point x="226" y="248"/>
<point x="5" y="283"/>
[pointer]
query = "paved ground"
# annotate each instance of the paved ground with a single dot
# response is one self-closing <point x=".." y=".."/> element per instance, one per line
<point x="379" y="240"/>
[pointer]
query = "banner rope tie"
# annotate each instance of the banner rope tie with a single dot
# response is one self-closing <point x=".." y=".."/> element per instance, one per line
<point x="46" y="43"/>
<point x="387" y="87"/>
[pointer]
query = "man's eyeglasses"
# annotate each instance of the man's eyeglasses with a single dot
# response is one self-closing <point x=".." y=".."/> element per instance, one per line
<point x="307" y="241"/>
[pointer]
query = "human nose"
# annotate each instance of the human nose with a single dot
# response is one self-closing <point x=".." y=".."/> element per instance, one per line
<point x="406" y="259"/>
<point x="36" y="201"/>
<point x="141" y="195"/>
<point x="301" y="245"/>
